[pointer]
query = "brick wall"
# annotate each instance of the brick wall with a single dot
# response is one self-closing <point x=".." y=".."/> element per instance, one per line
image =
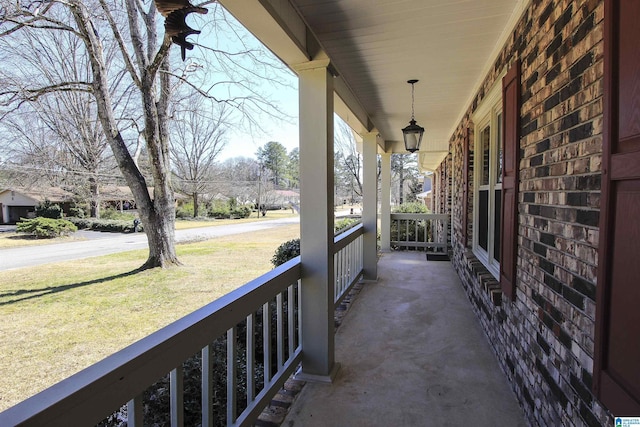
<point x="544" y="339"/>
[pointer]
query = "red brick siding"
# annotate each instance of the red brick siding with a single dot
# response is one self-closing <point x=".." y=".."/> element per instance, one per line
<point x="544" y="340"/>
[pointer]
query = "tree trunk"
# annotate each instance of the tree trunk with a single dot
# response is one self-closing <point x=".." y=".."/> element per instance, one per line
<point x="157" y="215"/>
<point x="162" y="217"/>
<point x="196" y="211"/>
<point x="94" y="200"/>
<point x="401" y="197"/>
<point x="159" y="227"/>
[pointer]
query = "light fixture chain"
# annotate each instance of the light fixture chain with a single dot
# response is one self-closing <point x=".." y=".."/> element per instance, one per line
<point x="412" y="102"/>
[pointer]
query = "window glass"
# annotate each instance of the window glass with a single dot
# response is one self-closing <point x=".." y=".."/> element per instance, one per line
<point x="496" y="227"/>
<point x="483" y="226"/>
<point x="485" y="146"/>
<point x="488" y="166"/>
<point x="498" y="151"/>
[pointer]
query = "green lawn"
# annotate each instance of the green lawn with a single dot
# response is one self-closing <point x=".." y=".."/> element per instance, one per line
<point x="271" y="215"/>
<point x="59" y="318"/>
<point x="14" y="240"/>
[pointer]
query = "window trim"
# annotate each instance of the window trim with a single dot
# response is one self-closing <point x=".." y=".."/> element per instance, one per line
<point x="487" y="115"/>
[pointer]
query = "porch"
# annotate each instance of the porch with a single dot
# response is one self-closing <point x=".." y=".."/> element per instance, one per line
<point x="411" y="353"/>
<point x="410" y="350"/>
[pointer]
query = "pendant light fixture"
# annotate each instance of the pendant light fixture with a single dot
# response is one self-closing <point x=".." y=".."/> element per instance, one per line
<point x="413" y="133"/>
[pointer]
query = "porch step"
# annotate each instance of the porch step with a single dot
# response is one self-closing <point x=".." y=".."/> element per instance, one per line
<point x="437" y="256"/>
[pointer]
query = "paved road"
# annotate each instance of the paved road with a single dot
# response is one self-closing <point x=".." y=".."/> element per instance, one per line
<point x="98" y="244"/>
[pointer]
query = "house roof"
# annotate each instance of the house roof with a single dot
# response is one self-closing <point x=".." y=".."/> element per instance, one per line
<point x="53" y="194"/>
<point x="122" y="192"/>
<point x="115" y="193"/>
<point x="287" y="193"/>
<point x="59" y="195"/>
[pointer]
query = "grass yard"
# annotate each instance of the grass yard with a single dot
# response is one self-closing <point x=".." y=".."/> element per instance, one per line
<point x="59" y="318"/>
<point x="14" y="240"/>
<point x="183" y="224"/>
<point x="10" y="239"/>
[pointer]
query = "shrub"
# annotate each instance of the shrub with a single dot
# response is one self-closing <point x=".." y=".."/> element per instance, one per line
<point x="81" y="223"/>
<point x="413" y="207"/>
<point x="113" y="214"/>
<point x="185" y="210"/>
<point x="46" y="227"/>
<point x="240" y="212"/>
<point x="233" y="203"/>
<point x="285" y="252"/>
<point x="291" y="249"/>
<point x="417" y="229"/>
<point x="230" y="209"/>
<point x="109" y="225"/>
<point x="344" y="224"/>
<point x="47" y="209"/>
<point x="219" y="209"/>
<point x="77" y="211"/>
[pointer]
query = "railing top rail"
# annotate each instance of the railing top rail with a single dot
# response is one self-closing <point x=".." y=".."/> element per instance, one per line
<point x="419" y="216"/>
<point x="343" y="239"/>
<point x="92" y="393"/>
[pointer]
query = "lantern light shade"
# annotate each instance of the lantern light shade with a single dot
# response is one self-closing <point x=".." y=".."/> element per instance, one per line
<point x="413" y="133"/>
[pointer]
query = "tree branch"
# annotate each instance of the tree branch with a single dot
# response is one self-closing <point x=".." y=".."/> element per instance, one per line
<point x="34" y="94"/>
<point x="123" y="48"/>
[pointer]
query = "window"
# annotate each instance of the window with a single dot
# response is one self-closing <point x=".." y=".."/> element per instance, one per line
<point x="487" y="197"/>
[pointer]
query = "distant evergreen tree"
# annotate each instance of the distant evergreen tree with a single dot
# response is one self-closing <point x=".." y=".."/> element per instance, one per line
<point x="273" y="157"/>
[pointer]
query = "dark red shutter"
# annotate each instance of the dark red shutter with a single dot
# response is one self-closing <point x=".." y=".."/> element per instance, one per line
<point x="510" y="168"/>
<point x="617" y="364"/>
<point x="465" y="187"/>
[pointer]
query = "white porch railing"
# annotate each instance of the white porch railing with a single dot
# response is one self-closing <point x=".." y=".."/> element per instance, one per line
<point x="95" y="393"/>
<point x="347" y="261"/>
<point x="414" y="230"/>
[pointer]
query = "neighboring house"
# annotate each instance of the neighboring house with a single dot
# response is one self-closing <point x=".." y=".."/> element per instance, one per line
<point x="21" y="203"/>
<point x="281" y="199"/>
<point x="425" y="196"/>
<point x="118" y="197"/>
<point x="121" y="198"/>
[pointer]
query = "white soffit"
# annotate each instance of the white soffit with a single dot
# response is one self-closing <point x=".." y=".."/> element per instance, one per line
<point x="377" y="45"/>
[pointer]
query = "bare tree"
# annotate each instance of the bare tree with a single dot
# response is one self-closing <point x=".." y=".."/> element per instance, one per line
<point x="59" y="130"/>
<point x="83" y="19"/>
<point x="348" y="161"/>
<point x="62" y="136"/>
<point x="239" y="178"/>
<point x="143" y="59"/>
<point x="197" y="138"/>
<point x="405" y="174"/>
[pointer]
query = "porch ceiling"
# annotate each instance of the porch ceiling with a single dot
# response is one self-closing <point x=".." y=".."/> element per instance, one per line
<point x="376" y="46"/>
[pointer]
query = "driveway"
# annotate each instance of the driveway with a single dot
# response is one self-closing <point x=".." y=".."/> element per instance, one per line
<point x="98" y="243"/>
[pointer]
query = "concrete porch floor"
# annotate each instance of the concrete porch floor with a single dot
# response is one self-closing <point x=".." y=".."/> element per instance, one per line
<point x="411" y="354"/>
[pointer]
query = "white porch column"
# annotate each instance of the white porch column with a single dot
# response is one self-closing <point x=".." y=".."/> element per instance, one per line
<point x="385" y="208"/>
<point x="370" y="205"/>
<point x="316" y="220"/>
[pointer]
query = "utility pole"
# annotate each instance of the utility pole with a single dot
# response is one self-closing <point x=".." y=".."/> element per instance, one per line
<point x="259" y="186"/>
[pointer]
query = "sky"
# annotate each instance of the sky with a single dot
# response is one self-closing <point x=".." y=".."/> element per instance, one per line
<point x="242" y="142"/>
